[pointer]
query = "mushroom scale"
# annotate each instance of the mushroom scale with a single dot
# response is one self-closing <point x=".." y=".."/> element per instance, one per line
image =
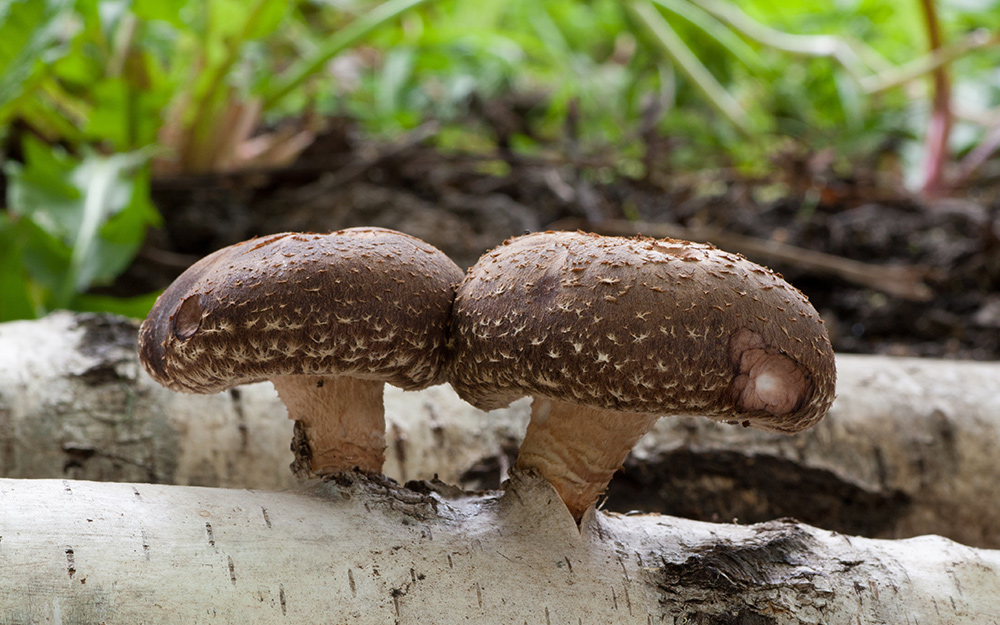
<point x="301" y="310"/>
<point x="636" y="328"/>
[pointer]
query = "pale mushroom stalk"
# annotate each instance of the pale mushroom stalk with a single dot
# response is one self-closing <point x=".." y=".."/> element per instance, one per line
<point x="340" y="418"/>
<point x="608" y="333"/>
<point x="559" y="444"/>
<point x="327" y="318"/>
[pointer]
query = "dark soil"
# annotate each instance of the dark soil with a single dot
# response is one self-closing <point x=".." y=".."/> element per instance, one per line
<point x="466" y="204"/>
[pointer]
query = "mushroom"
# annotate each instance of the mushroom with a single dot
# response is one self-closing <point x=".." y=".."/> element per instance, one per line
<point x="327" y="318"/>
<point x="607" y="334"/>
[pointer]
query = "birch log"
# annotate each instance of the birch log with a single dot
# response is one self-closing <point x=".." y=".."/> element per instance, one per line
<point x="362" y="551"/>
<point x="908" y="448"/>
<point x="75" y="403"/>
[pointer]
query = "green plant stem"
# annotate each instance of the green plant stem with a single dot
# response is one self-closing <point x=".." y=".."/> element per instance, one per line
<point x="671" y="44"/>
<point x="340" y="41"/>
<point x="715" y="29"/>
<point x="921" y="66"/>
<point x="122" y="44"/>
<point x="858" y="64"/>
<point x="205" y="108"/>
<point x="123" y="47"/>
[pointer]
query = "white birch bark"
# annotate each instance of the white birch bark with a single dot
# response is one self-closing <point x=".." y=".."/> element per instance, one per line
<point x="76" y="403"/>
<point x="914" y="441"/>
<point x="358" y="551"/>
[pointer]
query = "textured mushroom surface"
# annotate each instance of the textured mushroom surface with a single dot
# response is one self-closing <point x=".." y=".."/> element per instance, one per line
<point x="640" y="325"/>
<point x="369" y="303"/>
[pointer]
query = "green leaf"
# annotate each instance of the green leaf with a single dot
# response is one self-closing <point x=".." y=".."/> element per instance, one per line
<point x="123" y="234"/>
<point x="125" y="116"/>
<point x="15" y="288"/>
<point x="268" y="16"/>
<point x="107" y="191"/>
<point x="41" y="189"/>
<point x="29" y="29"/>
<point x="170" y="11"/>
<point x="78" y="70"/>
<point x="392" y="81"/>
<point x="90" y="215"/>
<point x="136" y="307"/>
<point x="112" y="117"/>
<point x="46" y="261"/>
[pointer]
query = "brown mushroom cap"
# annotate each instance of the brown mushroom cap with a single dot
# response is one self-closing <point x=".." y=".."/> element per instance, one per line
<point x="640" y="325"/>
<point x="365" y="302"/>
<point x="326" y="318"/>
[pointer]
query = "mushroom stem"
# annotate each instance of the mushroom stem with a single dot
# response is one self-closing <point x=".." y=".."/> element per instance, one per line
<point x="578" y="449"/>
<point x="343" y="420"/>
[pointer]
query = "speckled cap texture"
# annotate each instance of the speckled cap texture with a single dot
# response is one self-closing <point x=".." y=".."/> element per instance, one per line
<point x="365" y="302"/>
<point x="640" y="325"/>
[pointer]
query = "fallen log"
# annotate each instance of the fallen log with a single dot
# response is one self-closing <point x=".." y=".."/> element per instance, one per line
<point x="363" y="550"/>
<point x="907" y="449"/>
<point x="75" y="403"/>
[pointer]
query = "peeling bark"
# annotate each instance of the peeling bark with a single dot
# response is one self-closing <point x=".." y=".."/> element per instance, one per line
<point x="908" y="448"/>
<point x="364" y="550"/>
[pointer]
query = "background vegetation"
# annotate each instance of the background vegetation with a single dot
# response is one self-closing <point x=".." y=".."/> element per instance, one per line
<point x="99" y="97"/>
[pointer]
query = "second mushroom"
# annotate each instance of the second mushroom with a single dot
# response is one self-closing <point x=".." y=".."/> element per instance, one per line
<point x="607" y="334"/>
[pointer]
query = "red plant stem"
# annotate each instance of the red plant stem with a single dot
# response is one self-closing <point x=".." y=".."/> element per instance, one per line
<point x="939" y="125"/>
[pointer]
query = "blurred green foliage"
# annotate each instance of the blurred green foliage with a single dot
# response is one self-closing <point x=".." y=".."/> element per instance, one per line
<point x="93" y="93"/>
<point x="99" y="96"/>
<point x="73" y="222"/>
<point x="595" y="57"/>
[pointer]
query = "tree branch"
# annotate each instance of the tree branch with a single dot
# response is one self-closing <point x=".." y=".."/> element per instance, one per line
<point x="369" y="551"/>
